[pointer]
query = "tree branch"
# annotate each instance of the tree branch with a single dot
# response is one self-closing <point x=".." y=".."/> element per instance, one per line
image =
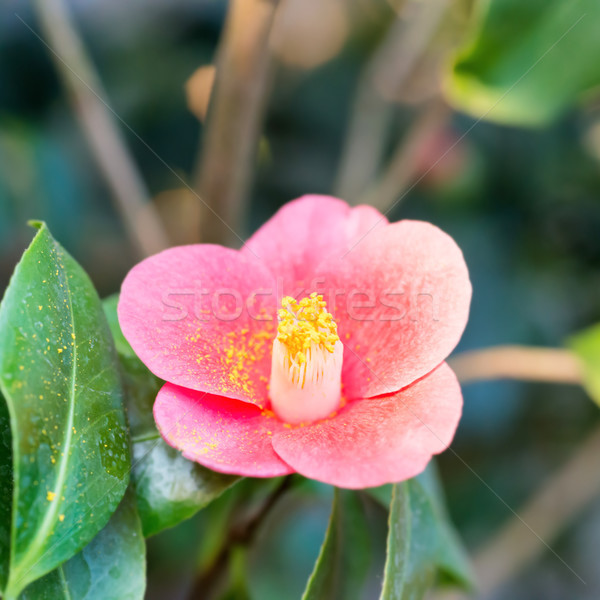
<point x="234" y="119"/>
<point x="518" y="362"/>
<point x="550" y="510"/>
<point x="391" y="66"/>
<point x="99" y="127"/>
<point x="239" y="535"/>
<point x="568" y="492"/>
<point x="399" y="173"/>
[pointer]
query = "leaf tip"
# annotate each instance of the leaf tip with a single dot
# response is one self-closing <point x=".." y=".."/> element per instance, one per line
<point x="36" y="224"/>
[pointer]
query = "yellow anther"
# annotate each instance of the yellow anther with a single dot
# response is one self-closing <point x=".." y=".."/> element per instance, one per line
<point x="304" y="323"/>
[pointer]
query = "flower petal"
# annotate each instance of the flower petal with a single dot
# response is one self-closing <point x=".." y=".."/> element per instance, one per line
<point x="401" y="301"/>
<point x="224" y="435"/>
<point x="202" y="317"/>
<point x="305" y="232"/>
<point x="378" y="440"/>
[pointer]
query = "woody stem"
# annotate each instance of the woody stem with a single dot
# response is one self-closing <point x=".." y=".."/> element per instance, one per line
<point x="207" y="582"/>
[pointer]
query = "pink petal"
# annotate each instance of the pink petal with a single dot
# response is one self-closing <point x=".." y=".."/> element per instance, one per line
<point x="378" y="440"/>
<point x="305" y="232"/>
<point x="192" y="316"/>
<point x="224" y="435"/>
<point x="401" y="300"/>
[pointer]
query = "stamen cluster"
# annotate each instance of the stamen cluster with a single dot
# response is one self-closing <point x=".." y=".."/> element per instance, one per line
<point x="304" y="323"/>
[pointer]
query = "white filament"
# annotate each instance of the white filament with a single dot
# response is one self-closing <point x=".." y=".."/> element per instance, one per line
<point x="307" y="391"/>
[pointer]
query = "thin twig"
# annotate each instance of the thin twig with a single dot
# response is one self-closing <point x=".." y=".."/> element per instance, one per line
<point x="518" y="362"/>
<point x="81" y="80"/>
<point x="401" y="170"/>
<point x="239" y="535"/>
<point x="393" y="63"/>
<point x="235" y="116"/>
<point x="565" y="495"/>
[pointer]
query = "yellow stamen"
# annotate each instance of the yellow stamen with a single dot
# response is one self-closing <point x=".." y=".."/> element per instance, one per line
<point x="306" y="364"/>
<point x="304" y="323"/>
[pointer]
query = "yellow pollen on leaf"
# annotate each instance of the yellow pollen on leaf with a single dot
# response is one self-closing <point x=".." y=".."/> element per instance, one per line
<point x="304" y="323"/>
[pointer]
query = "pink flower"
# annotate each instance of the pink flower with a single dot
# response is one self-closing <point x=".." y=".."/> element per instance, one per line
<point x="348" y="387"/>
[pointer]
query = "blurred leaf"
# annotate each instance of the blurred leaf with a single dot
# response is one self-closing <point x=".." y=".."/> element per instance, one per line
<point x="111" y="567"/>
<point x="420" y="542"/>
<point x="525" y="62"/>
<point x="216" y="520"/>
<point x="343" y="563"/>
<point x="291" y="536"/>
<point x="123" y="347"/>
<point x="59" y="376"/>
<point x="586" y="346"/>
<point x="6" y="490"/>
<point x="169" y="487"/>
<point x="383" y="494"/>
<point x="237" y="586"/>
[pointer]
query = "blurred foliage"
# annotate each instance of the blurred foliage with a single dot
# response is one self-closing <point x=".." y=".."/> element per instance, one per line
<point x="586" y="345"/>
<point x="526" y="62"/>
<point x="343" y="563"/>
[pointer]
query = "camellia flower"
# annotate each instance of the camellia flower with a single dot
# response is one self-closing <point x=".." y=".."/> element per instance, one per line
<point x="317" y="348"/>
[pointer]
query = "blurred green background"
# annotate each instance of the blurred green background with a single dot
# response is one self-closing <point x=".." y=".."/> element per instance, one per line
<point x="522" y="202"/>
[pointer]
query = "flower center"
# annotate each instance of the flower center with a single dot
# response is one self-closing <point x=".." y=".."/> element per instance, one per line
<point x="306" y="367"/>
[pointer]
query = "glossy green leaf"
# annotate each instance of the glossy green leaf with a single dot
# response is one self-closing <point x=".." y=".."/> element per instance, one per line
<point x="59" y="376"/>
<point x="449" y="555"/>
<point x="169" y="487"/>
<point x="343" y="563"/>
<point x="111" y="567"/>
<point x="420" y="543"/>
<point x="524" y="62"/>
<point x="586" y="346"/>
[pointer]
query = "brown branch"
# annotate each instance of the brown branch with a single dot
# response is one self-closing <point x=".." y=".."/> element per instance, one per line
<point x="401" y="171"/>
<point x="235" y="116"/>
<point x="518" y="362"/>
<point x="97" y="121"/>
<point x="239" y="535"/>
<point x="550" y="510"/>
<point x="391" y="66"/>
<point x="568" y="492"/>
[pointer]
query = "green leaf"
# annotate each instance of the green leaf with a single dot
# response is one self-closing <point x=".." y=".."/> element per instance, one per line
<point x="526" y="61"/>
<point x="237" y="586"/>
<point x="399" y="546"/>
<point x="586" y="346"/>
<point x="450" y="556"/>
<point x="6" y="490"/>
<point x="111" y="567"/>
<point x="383" y="494"/>
<point x="123" y="347"/>
<point x="169" y="487"/>
<point x="420" y="543"/>
<point x="343" y="563"/>
<point x="59" y="376"/>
